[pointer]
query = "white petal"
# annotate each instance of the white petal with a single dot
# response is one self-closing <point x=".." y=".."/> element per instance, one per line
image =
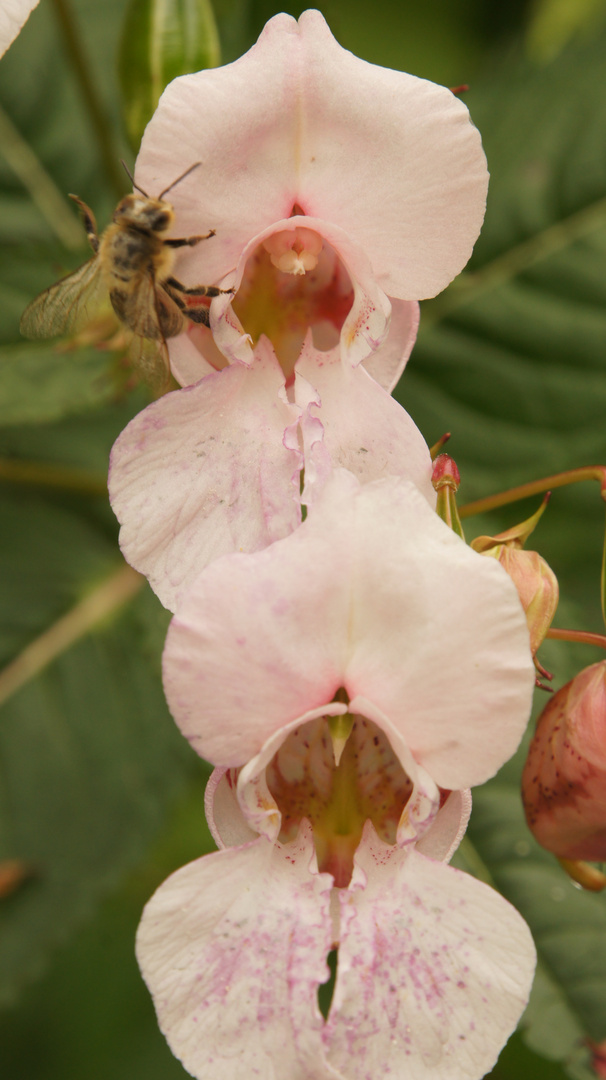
<point x="372" y="593"/>
<point x="13" y="16"/>
<point x="203" y="471"/>
<point x="443" y="838"/>
<point x="223" y="814"/>
<point x="434" y="970"/>
<point x="387" y="363"/>
<point x="391" y="159"/>
<point x="233" y="948"/>
<point x="365" y="430"/>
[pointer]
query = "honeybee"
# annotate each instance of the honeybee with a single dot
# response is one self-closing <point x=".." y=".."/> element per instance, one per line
<point x="132" y="263"/>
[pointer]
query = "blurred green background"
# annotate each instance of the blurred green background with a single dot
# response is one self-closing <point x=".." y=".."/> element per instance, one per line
<point x="100" y="798"/>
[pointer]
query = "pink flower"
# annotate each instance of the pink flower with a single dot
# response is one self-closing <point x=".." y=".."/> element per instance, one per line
<point x="340" y="193"/>
<point x="13" y="16"/>
<point x="346" y="679"/>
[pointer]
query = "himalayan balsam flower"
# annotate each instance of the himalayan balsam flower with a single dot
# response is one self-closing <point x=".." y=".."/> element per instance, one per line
<point x="346" y="680"/>
<point x="13" y="16"/>
<point x="341" y="193"/>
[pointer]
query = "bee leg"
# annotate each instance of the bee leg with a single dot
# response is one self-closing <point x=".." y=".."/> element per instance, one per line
<point x="188" y="241"/>
<point x="89" y="223"/>
<point x="193" y="290"/>
<point x="199" y="315"/>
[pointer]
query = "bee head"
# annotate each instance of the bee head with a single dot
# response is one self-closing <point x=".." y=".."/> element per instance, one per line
<point x="153" y="214"/>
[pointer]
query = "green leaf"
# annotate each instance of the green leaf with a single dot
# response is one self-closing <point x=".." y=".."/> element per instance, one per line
<point x="92" y="1014"/>
<point x="554" y="22"/>
<point x="511" y="358"/>
<point x="162" y="40"/>
<point x="90" y="756"/>
<point x="42" y="383"/>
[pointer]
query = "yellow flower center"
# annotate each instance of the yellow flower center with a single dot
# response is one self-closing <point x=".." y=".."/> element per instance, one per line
<point x="367" y="783"/>
<point x="294" y="282"/>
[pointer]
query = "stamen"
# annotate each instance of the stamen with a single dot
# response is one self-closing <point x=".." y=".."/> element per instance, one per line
<point x="294" y="252"/>
<point x="340" y="728"/>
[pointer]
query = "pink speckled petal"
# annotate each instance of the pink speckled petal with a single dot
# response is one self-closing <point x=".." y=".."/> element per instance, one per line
<point x="372" y="593"/>
<point x="387" y="363"/>
<point x="365" y="430"/>
<point x="434" y="970"/>
<point x="13" y="16"/>
<point x="391" y="159"/>
<point x="443" y="838"/>
<point x="233" y="948"/>
<point x="203" y="471"/>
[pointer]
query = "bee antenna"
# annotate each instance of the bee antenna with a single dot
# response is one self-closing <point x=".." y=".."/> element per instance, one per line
<point x="132" y="179"/>
<point x="178" y="180"/>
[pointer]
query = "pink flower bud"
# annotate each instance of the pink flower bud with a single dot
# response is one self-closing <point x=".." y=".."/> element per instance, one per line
<point x="445" y="471"/>
<point x="534" y="579"/>
<point x="564" y="779"/>
<point x="598" y="1058"/>
<point x="537" y="588"/>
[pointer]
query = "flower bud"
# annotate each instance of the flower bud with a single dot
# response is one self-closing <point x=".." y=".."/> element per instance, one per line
<point x="445" y="472"/>
<point x="446" y="479"/>
<point x="564" y="779"/>
<point x="161" y="40"/>
<point x="598" y="1058"/>
<point x="536" y="583"/>
<point x="534" y="579"/>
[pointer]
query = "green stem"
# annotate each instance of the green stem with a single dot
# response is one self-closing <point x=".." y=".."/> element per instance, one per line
<point x="75" y="49"/>
<point x="437" y="447"/>
<point x="536" y="487"/>
<point x="447" y="510"/>
<point x="40" y="186"/>
<point x="118" y="588"/>
<point x="585" y="637"/>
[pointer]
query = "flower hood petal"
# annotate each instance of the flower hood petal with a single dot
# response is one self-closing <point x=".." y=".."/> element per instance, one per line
<point x="386" y="364"/>
<point x="366" y="325"/>
<point x="434" y="970"/>
<point x="373" y="593"/>
<point x="194" y="354"/>
<point x="298" y="121"/>
<point x="204" y="471"/>
<point x="233" y="948"/>
<point x="442" y="840"/>
<point x="229" y="826"/>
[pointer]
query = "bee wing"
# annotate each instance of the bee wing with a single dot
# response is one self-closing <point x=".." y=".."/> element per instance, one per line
<point x="148" y="310"/>
<point x="151" y="361"/>
<point x="151" y="317"/>
<point x="66" y="307"/>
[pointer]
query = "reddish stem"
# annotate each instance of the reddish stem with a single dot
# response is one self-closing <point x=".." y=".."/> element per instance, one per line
<point x="586" y="637"/>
